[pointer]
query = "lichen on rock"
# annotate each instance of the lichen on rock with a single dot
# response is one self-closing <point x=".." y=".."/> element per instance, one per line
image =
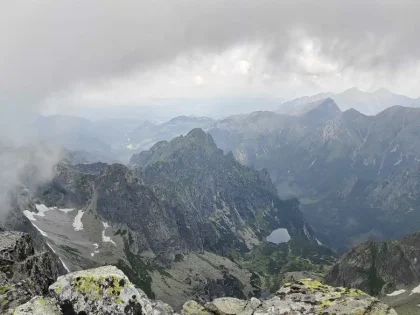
<point x="104" y="290"/>
<point x="38" y="306"/>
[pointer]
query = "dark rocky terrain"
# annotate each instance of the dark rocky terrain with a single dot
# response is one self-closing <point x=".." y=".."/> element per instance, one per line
<point x="24" y="273"/>
<point x="30" y="286"/>
<point x="390" y="269"/>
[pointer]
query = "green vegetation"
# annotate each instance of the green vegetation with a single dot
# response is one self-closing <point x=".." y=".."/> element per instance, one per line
<point x="375" y="282"/>
<point x="271" y="261"/>
<point x="4" y="289"/>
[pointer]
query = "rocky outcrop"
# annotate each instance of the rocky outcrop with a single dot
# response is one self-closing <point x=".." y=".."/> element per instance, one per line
<point x="379" y="267"/>
<point x="306" y="296"/>
<point x="24" y="273"/>
<point x="106" y="290"/>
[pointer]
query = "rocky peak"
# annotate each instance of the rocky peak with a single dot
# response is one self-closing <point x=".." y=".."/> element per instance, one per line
<point x="194" y="146"/>
<point x="320" y="111"/>
<point x="200" y="137"/>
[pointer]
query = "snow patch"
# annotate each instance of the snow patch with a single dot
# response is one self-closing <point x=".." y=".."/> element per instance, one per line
<point x="395" y="293"/>
<point x="29" y="215"/>
<point x="415" y="290"/>
<point x="312" y="164"/>
<point x="318" y="242"/>
<point x="51" y="248"/>
<point x="106" y="239"/>
<point x="40" y="231"/>
<point x="41" y="209"/>
<point x="96" y="251"/>
<point x="77" y="223"/>
<point x="64" y="265"/>
<point x="395" y="148"/>
<point x="398" y="162"/>
<point x="305" y="230"/>
<point x="66" y="210"/>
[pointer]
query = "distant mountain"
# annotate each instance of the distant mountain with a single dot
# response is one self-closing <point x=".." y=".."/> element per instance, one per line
<point x="110" y="140"/>
<point x="74" y="134"/>
<point x="147" y="134"/>
<point x="295" y="106"/>
<point x="360" y="172"/>
<point x="364" y="102"/>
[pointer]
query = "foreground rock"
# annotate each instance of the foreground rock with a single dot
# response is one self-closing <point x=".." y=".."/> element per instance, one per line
<point x="303" y="297"/>
<point x="106" y="290"/>
<point x="23" y="272"/>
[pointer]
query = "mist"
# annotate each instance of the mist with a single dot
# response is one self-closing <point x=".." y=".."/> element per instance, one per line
<point x="25" y="161"/>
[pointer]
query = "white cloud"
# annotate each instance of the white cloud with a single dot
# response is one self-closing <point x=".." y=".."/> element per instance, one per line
<point x="198" y="80"/>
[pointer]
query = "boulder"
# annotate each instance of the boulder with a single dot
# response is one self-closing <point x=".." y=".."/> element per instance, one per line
<point x="105" y="290"/>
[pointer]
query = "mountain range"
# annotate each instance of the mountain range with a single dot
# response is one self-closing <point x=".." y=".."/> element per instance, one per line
<point x="183" y="220"/>
<point x="368" y="103"/>
<point x="234" y="207"/>
<point x="359" y="171"/>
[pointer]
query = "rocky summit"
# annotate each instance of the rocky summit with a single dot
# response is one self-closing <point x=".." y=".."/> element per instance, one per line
<point x="106" y="290"/>
<point x="31" y="285"/>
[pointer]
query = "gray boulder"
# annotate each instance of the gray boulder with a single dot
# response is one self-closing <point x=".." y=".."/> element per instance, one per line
<point x="104" y="290"/>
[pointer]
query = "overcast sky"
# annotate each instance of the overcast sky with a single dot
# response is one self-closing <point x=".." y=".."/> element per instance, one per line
<point x="100" y="52"/>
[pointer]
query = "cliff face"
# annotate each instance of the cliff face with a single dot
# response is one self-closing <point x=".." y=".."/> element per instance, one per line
<point x="218" y="202"/>
<point x="23" y="272"/>
<point x="379" y="267"/>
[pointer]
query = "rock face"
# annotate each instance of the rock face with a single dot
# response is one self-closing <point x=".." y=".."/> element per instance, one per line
<point x="23" y="272"/>
<point x="219" y="203"/>
<point x="379" y="268"/>
<point x="106" y="290"/>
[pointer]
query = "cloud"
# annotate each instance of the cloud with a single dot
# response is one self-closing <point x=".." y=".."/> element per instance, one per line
<point x="49" y="46"/>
